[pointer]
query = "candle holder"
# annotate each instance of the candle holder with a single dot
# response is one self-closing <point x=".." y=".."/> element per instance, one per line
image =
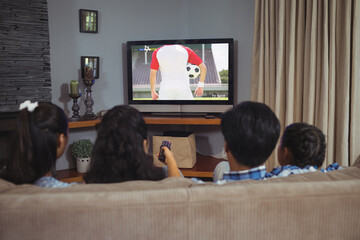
<point x="76" y="116"/>
<point x="89" y="102"/>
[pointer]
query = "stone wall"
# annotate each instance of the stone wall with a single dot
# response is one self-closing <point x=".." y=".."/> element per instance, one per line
<point x="24" y="52"/>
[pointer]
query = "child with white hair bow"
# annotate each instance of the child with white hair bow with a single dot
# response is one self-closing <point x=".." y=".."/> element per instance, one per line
<point x="40" y="138"/>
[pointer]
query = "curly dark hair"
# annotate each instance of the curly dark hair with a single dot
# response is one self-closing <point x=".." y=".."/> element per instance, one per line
<point x="251" y="130"/>
<point x="306" y="143"/>
<point x="118" y="153"/>
<point x="33" y="146"/>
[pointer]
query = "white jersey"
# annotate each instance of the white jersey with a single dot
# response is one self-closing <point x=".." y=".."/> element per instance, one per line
<point x="175" y="80"/>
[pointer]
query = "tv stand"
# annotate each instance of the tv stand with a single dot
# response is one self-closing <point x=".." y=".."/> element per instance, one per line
<point x="182" y="119"/>
<point x="180" y="114"/>
<point x="203" y="168"/>
<point x="158" y="120"/>
<point x="205" y="164"/>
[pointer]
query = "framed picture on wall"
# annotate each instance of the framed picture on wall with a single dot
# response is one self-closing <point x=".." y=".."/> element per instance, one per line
<point x="88" y="21"/>
<point x="90" y="67"/>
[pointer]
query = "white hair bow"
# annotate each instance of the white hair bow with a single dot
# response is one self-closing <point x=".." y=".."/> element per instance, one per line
<point x="30" y="106"/>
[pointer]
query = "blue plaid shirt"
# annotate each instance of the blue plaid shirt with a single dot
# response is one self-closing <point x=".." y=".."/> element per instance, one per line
<point x="256" y="173"/>
<point x="287" y="170"/>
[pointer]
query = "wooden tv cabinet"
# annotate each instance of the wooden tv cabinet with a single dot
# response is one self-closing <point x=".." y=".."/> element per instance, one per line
<point x="203" y="168"/>
<point x="157" y="120"/>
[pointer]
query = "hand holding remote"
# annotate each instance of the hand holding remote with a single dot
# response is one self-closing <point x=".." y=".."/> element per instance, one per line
<point x="161" y="153"/>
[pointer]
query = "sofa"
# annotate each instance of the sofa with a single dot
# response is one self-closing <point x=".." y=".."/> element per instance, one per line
<point x="305" y="206"/>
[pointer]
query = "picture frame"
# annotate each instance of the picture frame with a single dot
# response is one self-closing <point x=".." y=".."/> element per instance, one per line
<point x="90" y="67"/>
<point x="88" y="21"/>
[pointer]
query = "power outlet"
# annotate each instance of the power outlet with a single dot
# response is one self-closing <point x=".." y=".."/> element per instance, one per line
<point x="223" y="153"/>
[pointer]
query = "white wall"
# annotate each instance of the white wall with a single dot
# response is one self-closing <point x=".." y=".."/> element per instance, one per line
<point x="121" y="21"/>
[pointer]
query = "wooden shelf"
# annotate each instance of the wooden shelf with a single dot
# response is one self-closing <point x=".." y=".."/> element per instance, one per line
<point x="203" y="168"/>
<point x="182" y="120"/>
<point x="155" y="120"/>
<point x="69" y="175"/>
<point x="81" y="124"/>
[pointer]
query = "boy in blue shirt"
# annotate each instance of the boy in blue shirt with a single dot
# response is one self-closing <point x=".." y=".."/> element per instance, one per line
<point x="251" y="131"/>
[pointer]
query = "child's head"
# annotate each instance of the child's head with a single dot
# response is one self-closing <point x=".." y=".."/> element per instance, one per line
<point x="120" y="149"/>
<point x="302" y="144"/>
<point x="40" y="137"/>
<point x="251" y="131"/>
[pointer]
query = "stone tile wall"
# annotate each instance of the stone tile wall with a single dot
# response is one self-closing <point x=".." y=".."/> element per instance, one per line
<point x="24" y="52"/>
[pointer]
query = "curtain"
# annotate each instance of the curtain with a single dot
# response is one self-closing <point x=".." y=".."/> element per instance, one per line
<point x="306" y="67"/>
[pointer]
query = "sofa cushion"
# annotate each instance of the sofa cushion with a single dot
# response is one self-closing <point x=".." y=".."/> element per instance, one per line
<point x="296" y="210"/>
<point x="5" y="184"/>
<point x="167" y="183"/>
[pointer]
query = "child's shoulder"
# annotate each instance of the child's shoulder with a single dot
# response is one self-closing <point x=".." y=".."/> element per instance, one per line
<point x="284" y="171"/>
<point x="50" y="182"/>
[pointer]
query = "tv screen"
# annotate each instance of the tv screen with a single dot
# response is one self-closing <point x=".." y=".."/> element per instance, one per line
<point x="192" y="75"/>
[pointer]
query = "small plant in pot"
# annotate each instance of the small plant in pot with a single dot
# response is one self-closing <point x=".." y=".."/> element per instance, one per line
<point x="81" y="150"/>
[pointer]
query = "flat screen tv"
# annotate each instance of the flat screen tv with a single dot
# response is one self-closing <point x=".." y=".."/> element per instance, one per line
<point x="181" y="76"/>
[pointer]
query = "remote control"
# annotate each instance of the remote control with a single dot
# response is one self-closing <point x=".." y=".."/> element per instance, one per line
<point x="161" y="153"/>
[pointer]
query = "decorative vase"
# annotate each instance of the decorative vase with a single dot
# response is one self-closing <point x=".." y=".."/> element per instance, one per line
<point x="83" y="164"/>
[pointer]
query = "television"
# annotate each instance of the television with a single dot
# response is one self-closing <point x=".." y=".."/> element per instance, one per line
<point x="189" y="76"/>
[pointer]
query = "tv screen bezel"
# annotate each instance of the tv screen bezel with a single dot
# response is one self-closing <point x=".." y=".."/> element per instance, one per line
<point x="229" y="41"/>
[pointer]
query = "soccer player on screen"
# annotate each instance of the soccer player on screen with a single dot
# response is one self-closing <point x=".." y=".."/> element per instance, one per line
<point x="172" y="61"/>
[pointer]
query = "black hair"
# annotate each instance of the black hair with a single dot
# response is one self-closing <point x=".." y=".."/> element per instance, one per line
<point x="118" y="153"/>
<point x="33" y="146"/>
<point x="306" y="143"/>
<point x="251" y="130"/>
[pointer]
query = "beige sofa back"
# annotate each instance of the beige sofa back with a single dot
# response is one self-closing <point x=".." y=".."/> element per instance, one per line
<point x="325" y="206"/>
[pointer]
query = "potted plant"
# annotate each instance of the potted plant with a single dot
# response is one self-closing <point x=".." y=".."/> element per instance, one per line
<point x="81" y="150"/>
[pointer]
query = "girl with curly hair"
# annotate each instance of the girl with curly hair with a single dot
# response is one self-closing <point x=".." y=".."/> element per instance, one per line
<point x="120" y="150"/>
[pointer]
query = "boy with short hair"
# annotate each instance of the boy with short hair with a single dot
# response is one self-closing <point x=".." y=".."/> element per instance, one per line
<point x="251" y="131"/>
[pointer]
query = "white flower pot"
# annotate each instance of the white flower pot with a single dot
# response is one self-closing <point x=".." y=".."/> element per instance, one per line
<point x="83" y="164"/>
